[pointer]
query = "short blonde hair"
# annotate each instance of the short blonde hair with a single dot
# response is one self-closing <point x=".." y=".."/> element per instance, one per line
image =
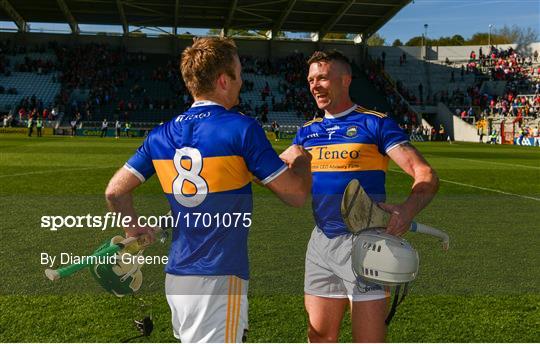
<point x="203" y="62"/>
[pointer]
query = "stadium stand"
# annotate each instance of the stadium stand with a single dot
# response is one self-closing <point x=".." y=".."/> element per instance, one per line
<point x="496" y="85"/>
<point x="92" y="81"/>
<point x="27" y="75"/>
<point x="435" y="77"/>
<point x="146" y="88"/>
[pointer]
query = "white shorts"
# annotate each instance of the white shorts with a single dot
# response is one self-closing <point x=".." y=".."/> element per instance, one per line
<point x="329" y="271"/>
<point x="208" y="309"/>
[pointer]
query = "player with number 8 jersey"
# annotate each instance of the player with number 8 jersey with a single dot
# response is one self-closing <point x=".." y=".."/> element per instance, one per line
<point x="201" y="176"/>
<point x="206" y="159"/>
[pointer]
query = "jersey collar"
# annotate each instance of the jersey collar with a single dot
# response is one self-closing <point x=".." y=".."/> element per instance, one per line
<point x="341" y="114"/>
<point x="205" y="103"/>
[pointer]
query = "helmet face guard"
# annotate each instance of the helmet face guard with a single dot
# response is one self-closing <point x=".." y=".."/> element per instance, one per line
<point x="384" y="259"/>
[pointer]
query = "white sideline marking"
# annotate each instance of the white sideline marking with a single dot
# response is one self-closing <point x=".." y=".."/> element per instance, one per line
<point x="51" y="171"/>
<point x="491" y="162"/>
<point x="479" y="187"/>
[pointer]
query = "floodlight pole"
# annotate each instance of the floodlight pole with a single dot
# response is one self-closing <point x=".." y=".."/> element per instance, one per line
<point x="121" y="12"/>
<point x="424" y="41"/>
<point x="176" y="10"/>
<point x="489" y="37"/>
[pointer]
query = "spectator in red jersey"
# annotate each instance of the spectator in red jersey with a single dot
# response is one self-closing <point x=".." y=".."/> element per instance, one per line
<point x="34" y="114"/>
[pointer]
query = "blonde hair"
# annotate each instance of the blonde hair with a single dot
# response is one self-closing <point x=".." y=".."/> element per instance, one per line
<point x="203" y="62"/>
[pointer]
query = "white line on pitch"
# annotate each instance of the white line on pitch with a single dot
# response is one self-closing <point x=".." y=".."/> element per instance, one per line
<point x="51" y="171"/>
<point x="479" y="187"/>
<point x="490" y="162"/>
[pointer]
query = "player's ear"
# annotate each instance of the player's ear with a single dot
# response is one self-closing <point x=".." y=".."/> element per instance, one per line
<point x="222" y="81"/>
<point x="346" y="79"/>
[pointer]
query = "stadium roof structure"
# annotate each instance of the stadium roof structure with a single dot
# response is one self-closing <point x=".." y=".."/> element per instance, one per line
<point x="323" y="16"/>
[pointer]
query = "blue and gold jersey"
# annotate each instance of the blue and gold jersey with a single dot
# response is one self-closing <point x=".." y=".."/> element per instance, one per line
<point x="205" y="160"/>
<point x="346" y="146"/>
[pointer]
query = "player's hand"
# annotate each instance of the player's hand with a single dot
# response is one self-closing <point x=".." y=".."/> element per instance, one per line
<point x="296" y="156"/>
<point x="146" y="235"/>
<point x="401" y="218"/>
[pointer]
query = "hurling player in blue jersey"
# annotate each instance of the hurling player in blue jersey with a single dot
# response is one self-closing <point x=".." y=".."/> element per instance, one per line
<point x="205" y="160"/>
<point x="351" y="142"/>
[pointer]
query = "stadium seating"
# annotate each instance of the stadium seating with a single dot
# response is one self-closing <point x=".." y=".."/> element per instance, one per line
<point x="159" y="89"/>
<point x="255" y="100"/>
<point x="28" y="85"/>
<point x="434" y="76"/>
<point x="471" y="87"/>
<point x="150" y="83"/>
<point x="19" y="58"/>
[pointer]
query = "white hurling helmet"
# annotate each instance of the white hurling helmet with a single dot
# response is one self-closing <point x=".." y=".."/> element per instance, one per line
<point x="383" y="258"/>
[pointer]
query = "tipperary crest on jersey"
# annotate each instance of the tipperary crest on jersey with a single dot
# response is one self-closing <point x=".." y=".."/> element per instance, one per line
<point x="352" y="131"/>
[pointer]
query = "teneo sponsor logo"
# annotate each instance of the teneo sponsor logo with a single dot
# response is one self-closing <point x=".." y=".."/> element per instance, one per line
<point x="324" y="153"/>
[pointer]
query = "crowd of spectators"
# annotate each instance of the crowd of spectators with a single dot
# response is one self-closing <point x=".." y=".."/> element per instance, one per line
<point x="521" y="97"/>
<point x="473" y="105"/>
<point x="38" y="66"/>
<point x="114" y="81"/>
<point x="396" y="96"/>
<point x="118" y="80"/>
<point x="292" y="94"/>
<point x="32" y="108"/>
<point x="95" y="67"/>
<point x="505" y="64"/>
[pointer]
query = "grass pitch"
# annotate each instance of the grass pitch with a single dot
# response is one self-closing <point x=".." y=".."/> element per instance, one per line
<point x="485" y="289"/>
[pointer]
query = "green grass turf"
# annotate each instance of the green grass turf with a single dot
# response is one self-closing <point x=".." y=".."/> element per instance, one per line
<point x="484" y="289"/>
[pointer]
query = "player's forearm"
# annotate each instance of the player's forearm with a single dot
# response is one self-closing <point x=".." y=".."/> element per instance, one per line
<point x="296" y="182"/>
<point x="302" y="186"/>
<point x="426" y="185"/>
<point x="296" y="191"/>
<point x="122" y="204"/>
<point x="292" y="187"/>
<point x="302" y="170"/>
<point x="119" y="197"/>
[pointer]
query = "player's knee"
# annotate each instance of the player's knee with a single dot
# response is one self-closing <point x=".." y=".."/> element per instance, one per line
<point x="321" y="336"/>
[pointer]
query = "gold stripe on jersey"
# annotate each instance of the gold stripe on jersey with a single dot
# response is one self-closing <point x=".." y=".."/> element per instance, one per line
<point x="361" y="109"/>
<point x="221" y="173"/>
<point x="315" y="120"/>
<point x="347" y="157"/>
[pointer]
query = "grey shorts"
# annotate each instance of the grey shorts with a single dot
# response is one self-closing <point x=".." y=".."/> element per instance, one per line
<point x="329" y="272"/>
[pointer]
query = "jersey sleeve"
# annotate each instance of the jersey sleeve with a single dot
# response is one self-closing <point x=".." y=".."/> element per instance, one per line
<point x="140" y="164"/>
<point x="390" y="135"/>
<point x="260" y="157"/>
